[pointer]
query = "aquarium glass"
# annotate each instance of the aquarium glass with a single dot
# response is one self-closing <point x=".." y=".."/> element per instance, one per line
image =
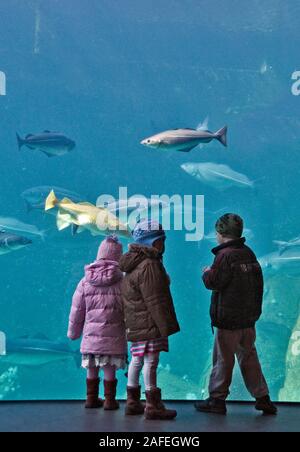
<point x="106" y="74"/>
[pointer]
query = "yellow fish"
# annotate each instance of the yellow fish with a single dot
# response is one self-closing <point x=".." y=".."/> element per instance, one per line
<point x="85" y="216"/>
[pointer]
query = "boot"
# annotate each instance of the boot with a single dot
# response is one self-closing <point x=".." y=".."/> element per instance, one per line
<point x="134" y="405"/>
<point x="155" y="409"/>
<point x="266" y="405"/>
<point x="211" y="405"/>
<point x="110" y="390"/>
<point x="93" y="400"/>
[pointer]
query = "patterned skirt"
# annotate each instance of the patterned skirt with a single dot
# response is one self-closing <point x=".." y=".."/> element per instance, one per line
<point x="89" y="361"/>
<point x="152" y="346"/>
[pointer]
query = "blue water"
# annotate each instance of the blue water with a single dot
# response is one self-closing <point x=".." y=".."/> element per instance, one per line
<point x="109" y="73"/>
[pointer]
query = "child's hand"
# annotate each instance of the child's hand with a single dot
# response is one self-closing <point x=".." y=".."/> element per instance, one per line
<point x="206" y="269"/>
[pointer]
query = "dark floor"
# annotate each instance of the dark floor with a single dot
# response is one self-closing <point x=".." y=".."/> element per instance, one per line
<point x="72" y="417"/>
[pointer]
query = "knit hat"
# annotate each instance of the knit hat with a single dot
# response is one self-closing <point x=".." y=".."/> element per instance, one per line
<point x="111" y="248"/>
<point x="146" y="232"/>
<point x="230" y="225"/>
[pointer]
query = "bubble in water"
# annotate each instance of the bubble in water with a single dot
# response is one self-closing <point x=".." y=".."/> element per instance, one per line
<point x="190" y="396"/>
<point x="8" y="382"/>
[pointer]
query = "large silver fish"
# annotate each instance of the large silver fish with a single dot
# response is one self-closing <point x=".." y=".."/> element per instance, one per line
<point x="137" y="204"/>
<point x="53" y="144"/>
<point x="131" y="210"/>
<point x="184" y="140"/>
<point x="211" y="236"/>
<point x="11" y="242"/>
<point x="12" y="224"/>
<point x="37" y="351"/>
<point x="287" y="262"/>
<point x="284" y="245"/>
<point x="219" y="176"/>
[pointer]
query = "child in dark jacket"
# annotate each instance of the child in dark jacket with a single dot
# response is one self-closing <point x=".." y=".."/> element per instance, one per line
<point x="150" y="317"/>
<point x="237" y="283"/>
<point x="97" y="314"/>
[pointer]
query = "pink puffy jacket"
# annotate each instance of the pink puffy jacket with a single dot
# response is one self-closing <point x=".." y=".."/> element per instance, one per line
<point x="97" y="310"/>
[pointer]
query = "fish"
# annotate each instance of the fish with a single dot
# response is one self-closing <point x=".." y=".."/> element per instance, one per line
<point x="12" y="224"/>
<point x="288" y="262"/>
<point x="133" y="204"/>
<point x="10" y="242"/>
<point x="130" y="210"/>
<point x="185" y="139"/>
<point x="283" y="245"/>
<point x="37" y="351"/>
<point x="211" y="236"/>
<point x="85" y="216"/>
<point x="35" y="197"/>
<point x="53" y="144"/>
<point x="219" y="176"/>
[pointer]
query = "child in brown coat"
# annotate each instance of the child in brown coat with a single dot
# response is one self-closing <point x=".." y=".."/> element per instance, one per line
<point x="150" y="316"/>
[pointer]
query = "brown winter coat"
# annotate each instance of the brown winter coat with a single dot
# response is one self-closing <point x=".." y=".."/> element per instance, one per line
<point x="148" y="305"/>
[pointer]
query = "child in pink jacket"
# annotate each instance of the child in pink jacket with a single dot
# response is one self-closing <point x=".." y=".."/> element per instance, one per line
<point x="97" y="315"/>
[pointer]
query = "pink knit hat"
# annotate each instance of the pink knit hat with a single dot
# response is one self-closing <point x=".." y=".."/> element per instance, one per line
<point x="111" y="248"/>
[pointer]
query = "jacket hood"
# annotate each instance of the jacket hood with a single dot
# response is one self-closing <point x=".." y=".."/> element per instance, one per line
<point x="103" y="273"/>
<point x="137" y="254"/>
<point x="236" y="243"/>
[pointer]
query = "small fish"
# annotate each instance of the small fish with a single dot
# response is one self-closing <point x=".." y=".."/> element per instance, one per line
<point x="85" y="216"/>
<point x="219" y="176"/>
<point x="10" y="242"/>
<point x="37" y="351"/>
<point x="12" y="224"/>
<point x="283" y="246"/>
<point x="184" y="140"/>
<point x="35" y="197"/>
<point x="53" y="144"/>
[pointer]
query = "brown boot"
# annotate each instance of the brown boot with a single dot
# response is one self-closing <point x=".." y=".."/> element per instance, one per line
<point x="134" y="406"/>
<point x="155" y="409"/>
<point x="93" y="400"/>
<point x="110" y="390"/>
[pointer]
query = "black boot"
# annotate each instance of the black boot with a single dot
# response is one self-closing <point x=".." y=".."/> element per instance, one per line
<point x="266" y="405"/>
<point x="211" y="405"/>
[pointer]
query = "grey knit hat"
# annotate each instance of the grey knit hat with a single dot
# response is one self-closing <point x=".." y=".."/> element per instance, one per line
<point x="230" y="225"/>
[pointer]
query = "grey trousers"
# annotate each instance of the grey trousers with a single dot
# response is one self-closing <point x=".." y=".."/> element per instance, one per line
<point x="240" y="344"/>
